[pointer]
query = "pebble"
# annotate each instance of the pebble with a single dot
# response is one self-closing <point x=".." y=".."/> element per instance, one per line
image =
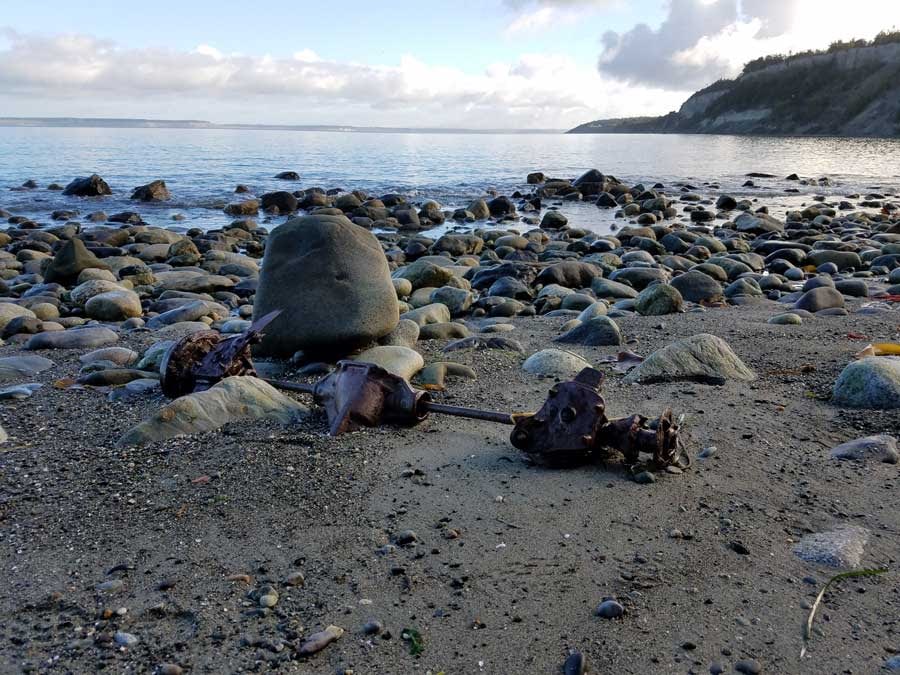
<point x="610" y="609"/>
<point x="708" y="452"/>
<point x="406" y="538"/>
<point x="126" y="639"/>
<point x="295" y="579"/>
<point x="111" y="586"/>
<point x="575" y="664"/>
<point x="170" y="669"/>
<point x="644" y="478"/>
<point x="748" y="667"/>
<point x="318" y="641"/>
<point x="373" y="627"/>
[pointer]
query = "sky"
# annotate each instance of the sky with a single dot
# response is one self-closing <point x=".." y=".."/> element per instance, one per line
<point x="490" y="64"/>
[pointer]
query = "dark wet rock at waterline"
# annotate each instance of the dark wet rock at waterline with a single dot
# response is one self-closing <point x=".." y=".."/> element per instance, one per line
<point x="92" y="186"/>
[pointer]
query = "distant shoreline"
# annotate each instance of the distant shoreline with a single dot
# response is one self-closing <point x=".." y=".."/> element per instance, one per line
<point x="128" y="123"/>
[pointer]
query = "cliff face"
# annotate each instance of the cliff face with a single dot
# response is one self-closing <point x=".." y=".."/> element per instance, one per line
<point x="850" y="92"/>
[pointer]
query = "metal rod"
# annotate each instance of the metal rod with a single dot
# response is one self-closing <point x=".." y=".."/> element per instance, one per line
<point x="430" y="406"/>
<point x="291" y="386"/>
<point x="471" y="413"/>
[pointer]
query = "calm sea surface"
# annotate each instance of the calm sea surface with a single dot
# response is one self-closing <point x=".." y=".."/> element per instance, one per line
<point x="202" y="167"/>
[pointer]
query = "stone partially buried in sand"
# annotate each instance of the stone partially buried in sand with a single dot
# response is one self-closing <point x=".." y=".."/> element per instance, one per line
<point x="596" y="332"/>
<point x="232" y="399"/>
<point x="554" y="363"/>
<point x="873" y="382"/>
<point x="881" y="448"/>
<point x="842" y="547"/>
<point x="20" y="367"/>
<point x="331" y="281"/>
<point x="702" y="358"/>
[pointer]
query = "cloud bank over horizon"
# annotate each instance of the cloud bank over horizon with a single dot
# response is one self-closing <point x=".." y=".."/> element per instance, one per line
<point x="642" y="70"/>
<point x="536" y="90"/>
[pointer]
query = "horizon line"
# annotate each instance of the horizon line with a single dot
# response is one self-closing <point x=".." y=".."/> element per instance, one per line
<point x="143" y="122"/>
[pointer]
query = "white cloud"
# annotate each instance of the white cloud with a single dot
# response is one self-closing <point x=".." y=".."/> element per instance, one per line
<point x="703" y="40"/>
<point x="65" y="74"/>
<point x="531" y="21"/>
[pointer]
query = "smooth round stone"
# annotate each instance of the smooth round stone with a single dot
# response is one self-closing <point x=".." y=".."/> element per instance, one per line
<point x="45" y="311"/>
<point x="578" y="301"/>
<point x="610" y="609"/>
<point x="94" y="273"/>
<point x="595" y="309"/>
<point x="401" y="361"/>
<point x="657" y="300"/>
<point x="126" y="639"/>
<point x="457" y="300"/>
<point x="872" y="382"/>
<point x="697" y="287"/>
<point x="443" y="331"/>
<point x="87" y="337"/>
<point x="786" y="319"/>
<point x="820" y="298"/>
<point x="233" y="326"/>
<point x="748" y="667"/>
<point x="596" y="332"/>
<point x="121" y="356"/>
<point x="406" y="334"/>
<point x="554" y="363"/>
<point x="881" y="448"/>
<point x="855" y="288"/>
<point x="19" y="391"/>
<point x="133" y="389"/>
<point x="818" y="282"/>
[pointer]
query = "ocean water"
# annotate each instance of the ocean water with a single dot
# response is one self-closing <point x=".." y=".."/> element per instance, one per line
<point x="201" y="167"/>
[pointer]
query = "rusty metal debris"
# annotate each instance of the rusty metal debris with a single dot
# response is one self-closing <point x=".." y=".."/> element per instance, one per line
<point x="199" y="360"/>
<point x="570" y="428"/>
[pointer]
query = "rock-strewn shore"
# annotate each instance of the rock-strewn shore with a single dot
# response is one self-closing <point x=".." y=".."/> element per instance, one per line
<point x="166" y="536"/>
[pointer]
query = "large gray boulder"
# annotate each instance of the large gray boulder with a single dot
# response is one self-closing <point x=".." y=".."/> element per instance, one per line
<point x="873" y="382"/>
<point x="702" y="358"/>
<point x="331" y="281"/>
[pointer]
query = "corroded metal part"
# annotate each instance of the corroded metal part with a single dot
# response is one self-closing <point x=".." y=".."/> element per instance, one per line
<point x="572" y="427"/>
<point x="564" y="430"/>
<point x="200" y="360"/>
<point x="358" y="394"/>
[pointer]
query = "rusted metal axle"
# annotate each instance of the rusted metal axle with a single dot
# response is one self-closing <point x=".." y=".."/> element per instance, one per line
<point x="570" y="428"/>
